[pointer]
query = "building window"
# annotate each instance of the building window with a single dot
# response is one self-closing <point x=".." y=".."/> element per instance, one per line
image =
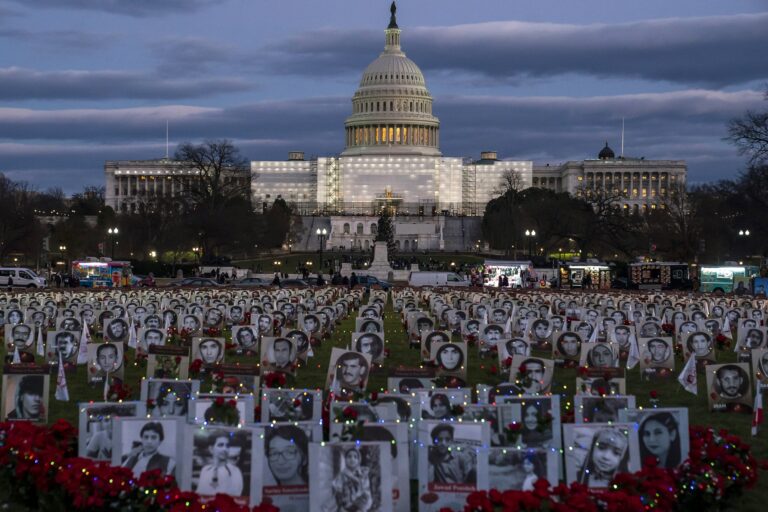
<point x="346" y="228"/>
<point x="360" y="228"/>
<point x="374" y="229"/>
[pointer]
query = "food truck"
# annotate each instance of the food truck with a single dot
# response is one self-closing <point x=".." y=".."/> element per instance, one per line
<point x="723" y="278"/>
<point x="514" y="271"/>
<point x="659" y="275"/>
<point x="102" y="273"/>
<point x="571" y="274"/>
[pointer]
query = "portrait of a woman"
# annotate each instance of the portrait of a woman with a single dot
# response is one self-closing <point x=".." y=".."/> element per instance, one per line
<point x="660" y="439"/>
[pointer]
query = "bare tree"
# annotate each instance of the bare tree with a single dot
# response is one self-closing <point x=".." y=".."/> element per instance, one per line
<point x="510" y="180"/>
<point x="217" y="165"/>
<point x="749" y="133"/>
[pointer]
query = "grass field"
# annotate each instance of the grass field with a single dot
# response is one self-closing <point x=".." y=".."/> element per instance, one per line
<point x="670" y="392"/>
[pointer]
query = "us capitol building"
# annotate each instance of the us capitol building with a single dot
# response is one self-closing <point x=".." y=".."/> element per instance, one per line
<point x="392" y="159"/>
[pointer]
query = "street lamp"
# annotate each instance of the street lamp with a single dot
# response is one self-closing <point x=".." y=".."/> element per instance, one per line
<point x="113" y="232"/>
<point x="153" y="254"/>
<point x="63" y="250"/>
<point x="321" y="234"/>
<point x="530" y="234"/>
<point x="743" y="232"/>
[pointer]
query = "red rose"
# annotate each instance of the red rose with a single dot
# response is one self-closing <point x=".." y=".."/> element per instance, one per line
<point x="232" y="403"/>
<point x="654" y="394"/>
<point x="297" y="402"/>
<point x="374" y="396"/>
<point x="219" y="401"/>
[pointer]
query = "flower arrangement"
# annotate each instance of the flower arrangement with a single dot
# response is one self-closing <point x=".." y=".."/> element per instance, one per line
<point x="39" y="471"/>
<point x="275" y="380"/>
<point x="720" y="467"/>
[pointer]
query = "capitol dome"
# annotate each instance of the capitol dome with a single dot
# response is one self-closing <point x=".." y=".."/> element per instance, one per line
<point x="392" y="108"/>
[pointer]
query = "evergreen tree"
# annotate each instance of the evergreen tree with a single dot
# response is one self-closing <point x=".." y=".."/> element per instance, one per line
<point x="386" y="230"/>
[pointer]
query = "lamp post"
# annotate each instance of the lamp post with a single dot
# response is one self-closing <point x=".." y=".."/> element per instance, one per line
<point x="113" y="232"/>
<point x="744" y="233"/>
<point x="63" y="251"/>
<point x="321" y="234"/>
<point x="153" y="254"/>
<point x="530" y="234"/>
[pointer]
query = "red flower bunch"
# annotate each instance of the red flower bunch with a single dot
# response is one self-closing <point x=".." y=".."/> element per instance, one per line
<point x="212" y="331"/>
<point x="507" y="362"/>
<point x="195" y="367"/>
<point x="118" y="391"/>
<point x="722" y="341"/>
<point x="668" y="328"/>
<point x="274" y="380"/>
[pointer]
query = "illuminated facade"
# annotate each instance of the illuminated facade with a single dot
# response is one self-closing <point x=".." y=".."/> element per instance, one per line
<point x="392" y="158"/>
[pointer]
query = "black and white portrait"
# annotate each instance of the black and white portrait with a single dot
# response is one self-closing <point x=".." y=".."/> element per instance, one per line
<point x="601" y="409"/>
<point x="278" y="355"/>
<point x="370" y="343"/>
<point x="25" y="397"/>
<point x="105" y="359"/>
<point x="145" y="445"/>
<point x="279" y="405"/>
<point x="151" y="336"/>
<point x="348" y="372"/>
<point x="450" y="359"/>
<point x="286" y="472"/>
<point x="351" y="476"/>
<point x="95" y="432"/>
<point x="209" y="350"/>
<point x="663" y="434"/>
<point x="116" y="330"/>
<point x="596" y="453"/>
<point x="730" y="387"/>
<point x="168" y="397"/>
<point x="225" y="460"/>
<point x="519" y="469"/>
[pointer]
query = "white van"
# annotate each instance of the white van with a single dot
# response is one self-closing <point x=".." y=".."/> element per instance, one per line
<point x="21" y="277"/>
<point x="436" y="279"/>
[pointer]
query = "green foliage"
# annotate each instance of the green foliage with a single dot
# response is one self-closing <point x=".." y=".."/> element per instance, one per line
<point x="386" y="230"/>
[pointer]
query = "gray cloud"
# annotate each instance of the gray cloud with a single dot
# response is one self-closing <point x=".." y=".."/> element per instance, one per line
<point x="137" y="8"/>
<point x="63" y="40"/>
<point x="192" y="55"/>
<point x="685" y="125"/>
<point x="710" y="51"/>
<point x="26" y="84"/>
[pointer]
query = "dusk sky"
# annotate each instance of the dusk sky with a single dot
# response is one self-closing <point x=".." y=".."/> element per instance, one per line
<point x="84" y="81"/>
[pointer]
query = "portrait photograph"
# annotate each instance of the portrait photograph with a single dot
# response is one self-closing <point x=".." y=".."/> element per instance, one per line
<point x="367" y="412"/>
<point x="105" y="359"/>
<point x="25" y="395"/>
<point x="204" y="409"/>
<point x="451" y="359"/>
<point x="750" y="338"/>
<point x="599" y="355"/>
<point x="657" y="357"/>
<point x="65" y="343"/>
<point x="407" y="406"/>
<point x="369" y="324"/>
<point x="264" y="324"/>
<point x="190" y="323"/>
<point x="566" y="349"/>
<point x="701" y="345"/>
<point x="420" y="325"/>
<point x="351" y="476"/>
<point x="596" y="452"/>
<point x="370" y="343"/>
<point x="74" y="325"/>
<point x="281" y="405"/>
<point x="301" y="340"/>
<point x="451" y="461"/>
<point x="224" y="460"/>
<point x="600" y="386"/>
<point x="278" y="355"/>
<point x="95" y="426"/>
<point x="540" y="421"/>
<point x="622" y="335"/>
<point x="311" y="324"/>
<point x="142" y="444"/>
<point x="439" y="404"/>
<point x="396" y="437"/>
<point x="19" y="336"/>
<point x="167" y="362"/>
<point x="601" y="409"/>
<point x="209" y="350"/>
<point x="515" y="347"/>
<point x="410" y="384"/>
<point x="430" y="337"/>
<point x="116" y="330"/>
<point x="151" y="336"/>
<point x="539" y="332"/>
<point x="518" y="469"/>
<point x="286" y="472"/>
<point x="663" y="434"/>
<point x="729" y="387"/>
<point x="348" y="372"/>
<point x="491" y="336"/>
<point x="532" y="375"/>
<point x="168" y="397"/>
<point x="760" y="366"/>
<point x="246" y="339"/>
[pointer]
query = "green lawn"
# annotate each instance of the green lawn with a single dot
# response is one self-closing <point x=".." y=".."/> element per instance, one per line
<point x="670" y="392"/>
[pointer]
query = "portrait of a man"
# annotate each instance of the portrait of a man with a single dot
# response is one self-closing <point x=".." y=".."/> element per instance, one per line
<point x="116" y="331"/>
<point x="348" y="372"/>
<point x="730" y="387"/>
<point x="447" y="465"/>
<point x="146" y="454"/>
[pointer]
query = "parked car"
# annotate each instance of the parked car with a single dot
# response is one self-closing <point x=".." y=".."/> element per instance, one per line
<point x="437" y="279"/>
<point x="20" y="277"/>
<point x="195" y="282"/>
<point x="369" y="281"/>
<point x="251" y="282"/>
<point x="293" y="283"/>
